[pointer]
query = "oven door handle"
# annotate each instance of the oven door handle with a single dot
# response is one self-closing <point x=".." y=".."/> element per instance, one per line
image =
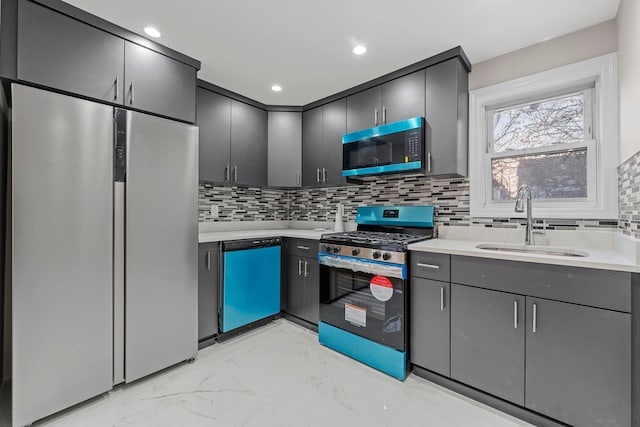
<point x="398" y="271"/>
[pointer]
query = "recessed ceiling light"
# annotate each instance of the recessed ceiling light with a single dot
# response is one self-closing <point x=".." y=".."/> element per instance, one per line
<point x="359" y="50"/>
<point x="152" y="32"/>
<point x="276" y="88"/>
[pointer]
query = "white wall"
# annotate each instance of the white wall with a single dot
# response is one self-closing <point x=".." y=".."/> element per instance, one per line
<point x="573" y="47"/>
<point x="629" y="77"/>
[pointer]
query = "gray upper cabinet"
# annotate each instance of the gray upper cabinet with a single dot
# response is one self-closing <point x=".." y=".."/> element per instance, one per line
<point x="334" y="125"/>
<point x="430" y="324"/>
<point x="312" y="146"/>
<point x="447" y="112"/>
<point x="208" y="274"/>
<point x="233" y="140"/>
<point x="398" y="99"/>
<point x="578" y="367"/>
<point x="157" y="83"/>
<point x="285" y="149"/>
<point x="487" y="341"/>
<point x="322" y="130"/>
<point x="363" y="109"/>
<point x="214" y="121"/>
<point x="403" y="98"/>
<point x="60" y="52"/>
<point x="64" y="53"/>
<point x="248" y="144"/>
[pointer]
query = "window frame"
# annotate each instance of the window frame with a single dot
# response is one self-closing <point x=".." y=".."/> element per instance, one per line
<point x="598" y="78"/>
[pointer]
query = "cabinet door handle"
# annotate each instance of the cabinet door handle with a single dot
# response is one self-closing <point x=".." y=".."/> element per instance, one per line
<point x="384" y="115"/>
<point x="299" y="267"/>
<point x="515" y="314"/>
<point x="435" y="267"/>
<point x="375" y="117"/>
<point x="429" y="162"/>
<point x="235" y="173"/>
<point x="208" y="260"/>
<point x="318" y="175"/>
<point x="535" y="318"/>
<point x="324" y="175"/>
<point x="297" y="177"/>
<point x="304" y="248"/>
<point x="442" y="298"/>
<point x="306" y="269"/>
<point x="117" y="88"/>
<point x="226" y="173"/>
<point x="131" y="99"/>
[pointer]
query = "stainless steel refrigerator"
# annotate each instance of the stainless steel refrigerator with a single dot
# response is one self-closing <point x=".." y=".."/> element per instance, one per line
<point x="103" y="207"/>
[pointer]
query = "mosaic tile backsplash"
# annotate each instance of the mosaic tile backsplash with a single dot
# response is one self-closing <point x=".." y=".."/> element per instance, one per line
<point x="450" y="196"/>
<point x="242" y="203"/>
<point x="629" y="196"/>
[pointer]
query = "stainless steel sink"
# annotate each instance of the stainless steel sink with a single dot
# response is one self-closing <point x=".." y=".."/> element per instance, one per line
<point x="532" y="249"/>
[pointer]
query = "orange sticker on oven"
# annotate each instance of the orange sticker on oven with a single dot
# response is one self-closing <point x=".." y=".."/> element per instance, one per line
<point x="381" y="288"/>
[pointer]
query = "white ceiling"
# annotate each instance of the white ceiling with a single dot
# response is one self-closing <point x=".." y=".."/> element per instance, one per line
<point x="305" y="45"/>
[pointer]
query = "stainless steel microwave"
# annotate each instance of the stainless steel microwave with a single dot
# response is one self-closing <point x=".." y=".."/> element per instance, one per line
<point x="397" y="147"/>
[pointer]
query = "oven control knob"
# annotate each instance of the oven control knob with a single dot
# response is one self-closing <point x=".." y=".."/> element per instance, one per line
<point x="355" y="252"/>
<point x="386" y="256"/>
<point x="336" y="249"/>
<point x="376" y="255"/>
<point x="328" y="249"/>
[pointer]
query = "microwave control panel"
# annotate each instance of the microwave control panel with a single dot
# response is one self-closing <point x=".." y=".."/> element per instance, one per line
<point x="413" y="146"/>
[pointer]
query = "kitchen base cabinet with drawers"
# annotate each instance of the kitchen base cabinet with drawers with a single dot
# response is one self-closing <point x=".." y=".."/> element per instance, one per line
<point x="429" y="311"/>
<point x="550" y="345"/>
<point x="302" y="289"/>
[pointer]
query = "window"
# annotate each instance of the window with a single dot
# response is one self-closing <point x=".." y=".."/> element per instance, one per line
<point x="555" y="131"/>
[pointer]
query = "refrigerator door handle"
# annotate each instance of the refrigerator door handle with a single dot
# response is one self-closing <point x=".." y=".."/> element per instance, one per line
<point x="131" y="99"/>
<point x="118" y="282"/>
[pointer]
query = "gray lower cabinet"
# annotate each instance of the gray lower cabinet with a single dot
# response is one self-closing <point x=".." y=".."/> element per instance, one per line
<point x="429" y="313"/>
<point x="446" y="115"/>
<point x="488" y="341"/>
<point x="303" y="279"/>
<point x="303" y="288"/>
<point x="398" y="99"/>
<point x="248" y="144"/>
<point x="157" y="83"/>
<point x="214" y="121"/>
<point x="57" y="51"/>
<point x="578" y="363"/>
<point x="208" y="284"/>
<point x="284" y="149"/>
<point x="322" y="130"/>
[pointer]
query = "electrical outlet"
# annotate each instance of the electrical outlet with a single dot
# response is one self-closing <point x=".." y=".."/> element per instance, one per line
<point x="215" y="211"/>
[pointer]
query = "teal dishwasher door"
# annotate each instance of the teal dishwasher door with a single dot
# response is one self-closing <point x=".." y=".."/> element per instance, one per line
<point x="251" y="286"/>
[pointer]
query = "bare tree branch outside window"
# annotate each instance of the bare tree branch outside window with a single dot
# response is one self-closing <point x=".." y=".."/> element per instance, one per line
<point x="549" y="123"/>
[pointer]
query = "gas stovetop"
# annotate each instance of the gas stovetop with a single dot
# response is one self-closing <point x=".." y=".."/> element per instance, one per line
<point x="374" y="239"/>
<point x="383" y="233"/>
<point x="370" y="245"/>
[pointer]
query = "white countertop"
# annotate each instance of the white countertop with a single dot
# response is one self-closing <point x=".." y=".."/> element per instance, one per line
<point x="220" y="236"/>
<point x="607" y="250"/>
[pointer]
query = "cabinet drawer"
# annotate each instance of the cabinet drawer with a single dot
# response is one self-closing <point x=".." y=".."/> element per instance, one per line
<point x="302" y="247"/>
<point x="430" y="266"/>
<point x="585" y="286"/>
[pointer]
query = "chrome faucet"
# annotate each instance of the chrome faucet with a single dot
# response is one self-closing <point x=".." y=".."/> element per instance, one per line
<point x="524" y="193"/>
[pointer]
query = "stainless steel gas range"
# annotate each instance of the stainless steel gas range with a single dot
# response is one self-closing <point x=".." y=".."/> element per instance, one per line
<point x="363" y="285"/>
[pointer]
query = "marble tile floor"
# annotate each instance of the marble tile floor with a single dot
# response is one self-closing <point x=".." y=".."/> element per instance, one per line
<point x="279" y="375"/>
